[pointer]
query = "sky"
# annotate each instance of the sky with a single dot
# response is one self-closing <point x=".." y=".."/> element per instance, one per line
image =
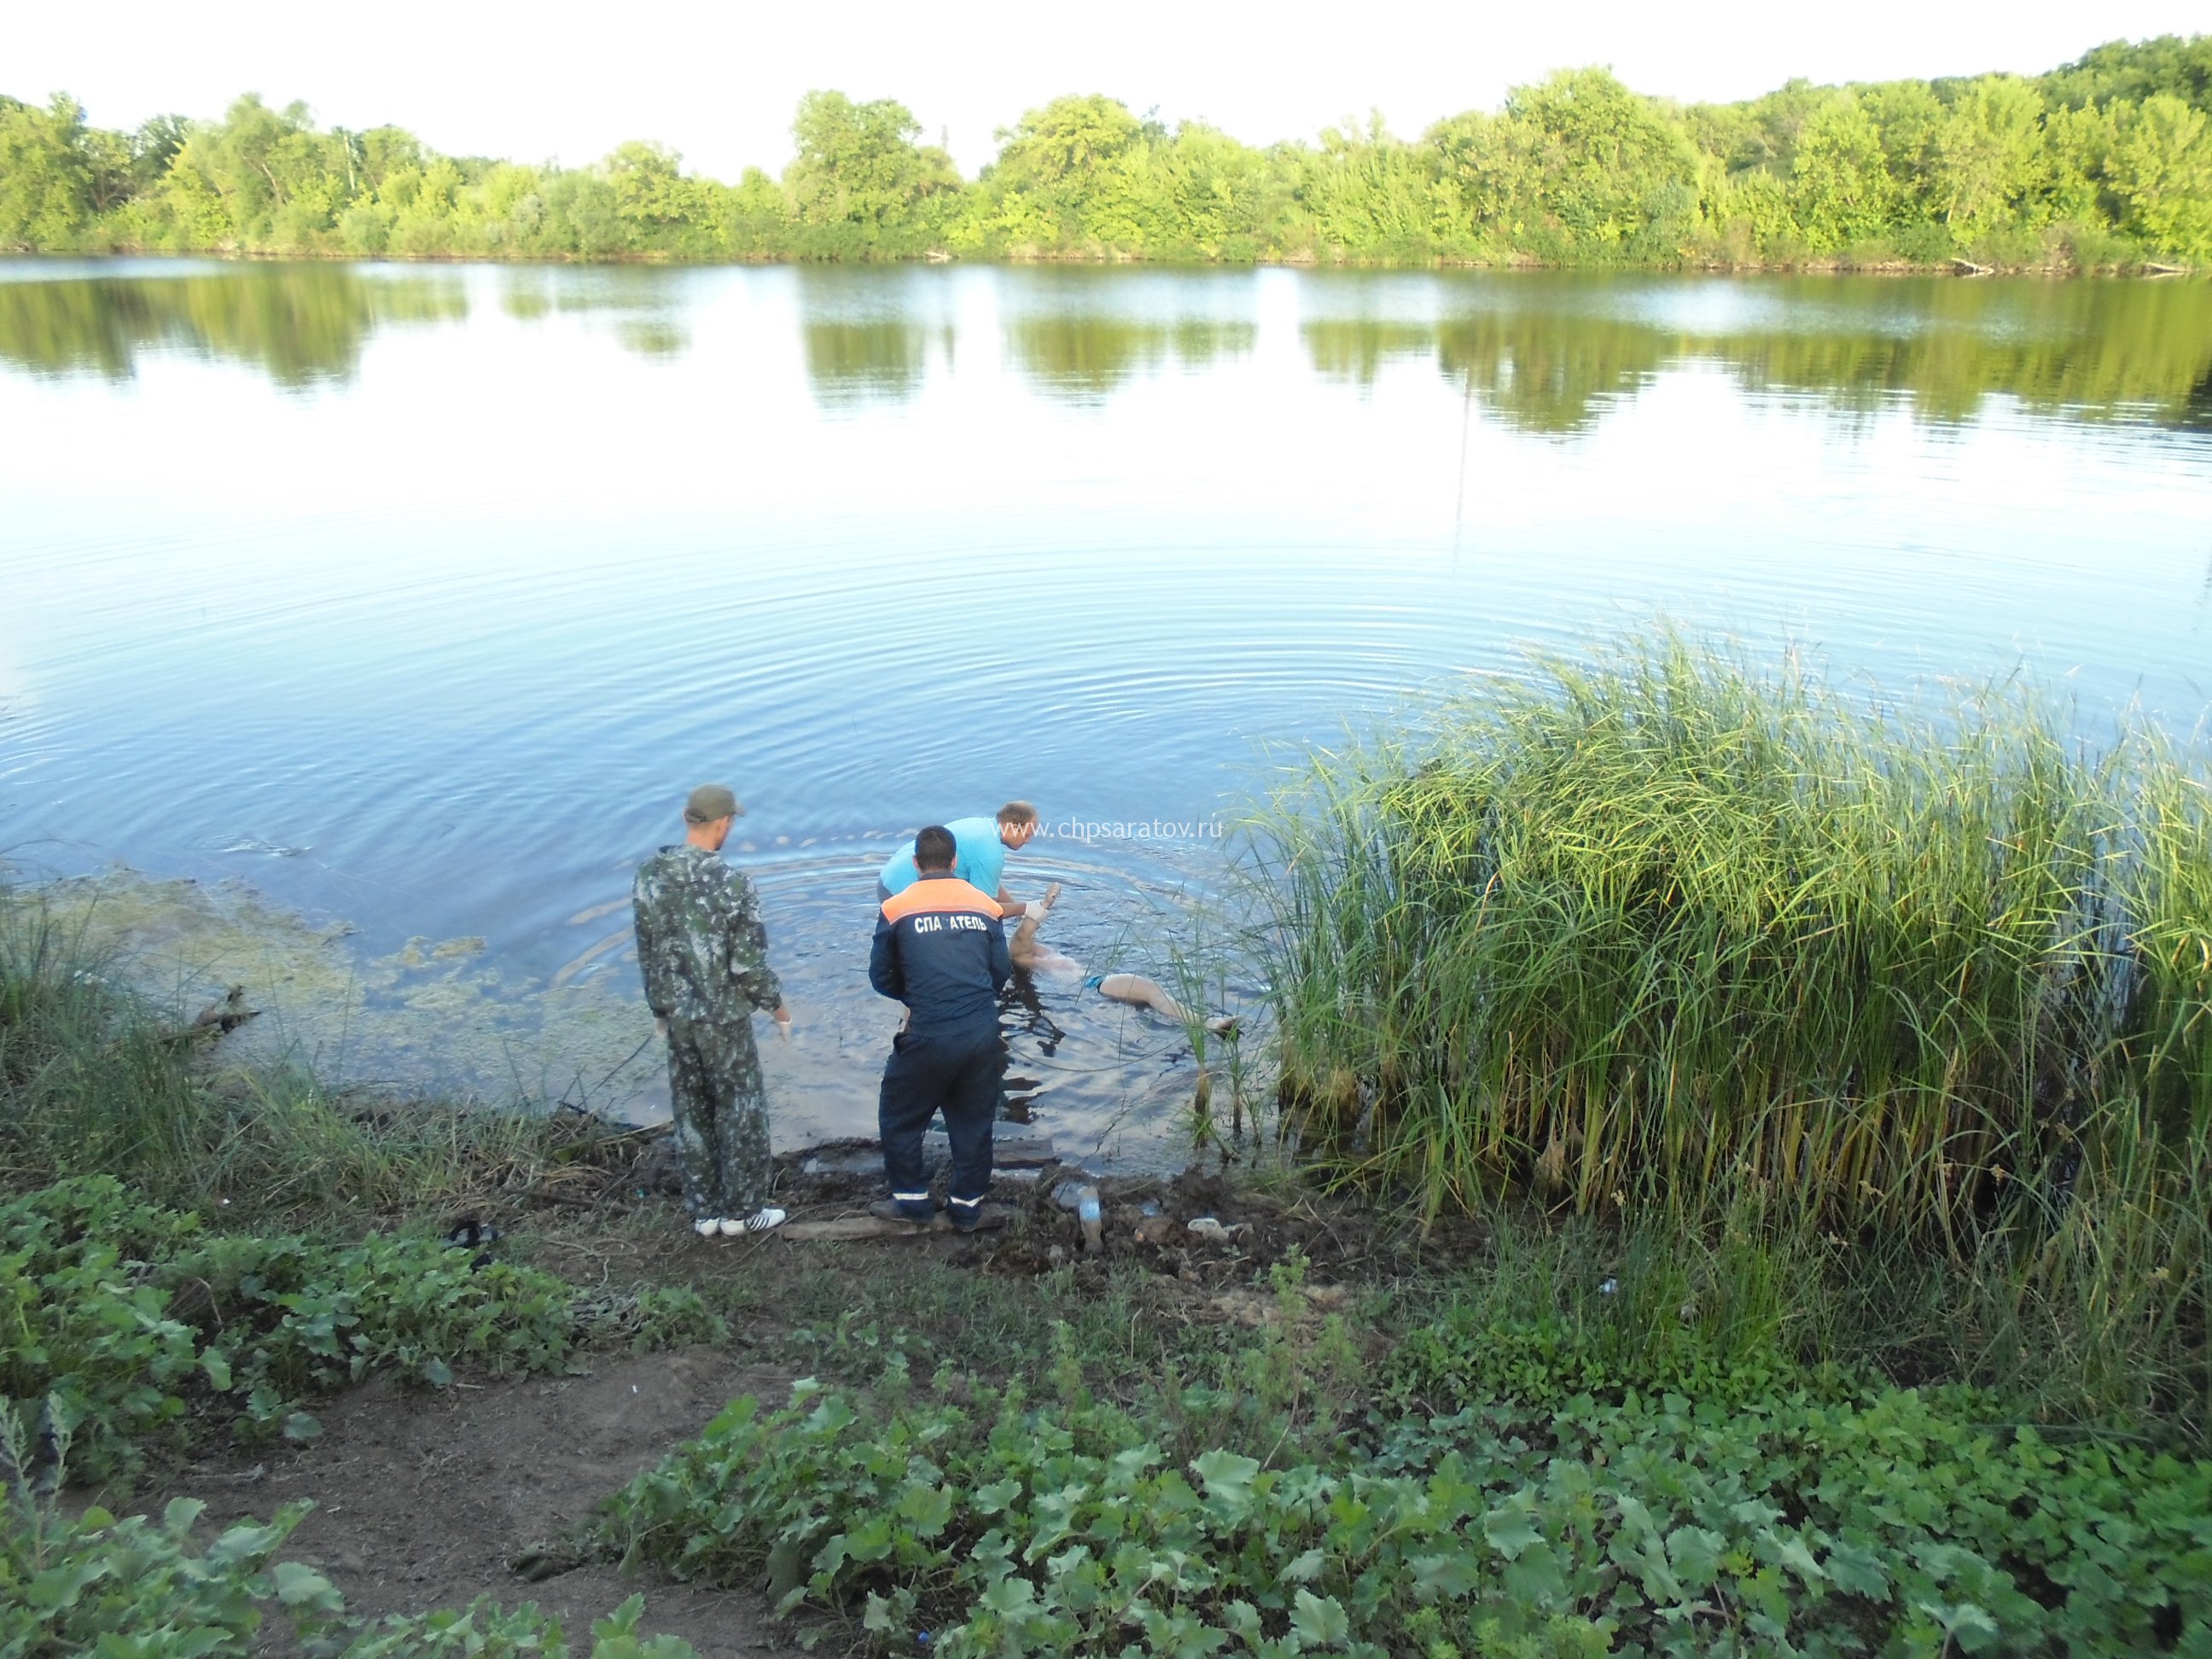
<point x="718" y="81"/>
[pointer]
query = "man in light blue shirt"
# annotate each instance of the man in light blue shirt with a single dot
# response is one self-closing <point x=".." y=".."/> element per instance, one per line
<point x="980" y="849"/>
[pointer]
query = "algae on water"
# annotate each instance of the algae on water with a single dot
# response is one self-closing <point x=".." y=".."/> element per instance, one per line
<point x="461" y="1019"/>
<point x="439" y="1018"/>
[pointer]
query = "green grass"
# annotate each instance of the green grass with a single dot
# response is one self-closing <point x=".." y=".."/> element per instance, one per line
<point x="93" y="1080"/>
<point x="2169" y="902"/>
<point x="1663" y="934"/>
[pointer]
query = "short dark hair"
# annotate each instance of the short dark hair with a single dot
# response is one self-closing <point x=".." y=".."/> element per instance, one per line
<point x="934" y="847"/>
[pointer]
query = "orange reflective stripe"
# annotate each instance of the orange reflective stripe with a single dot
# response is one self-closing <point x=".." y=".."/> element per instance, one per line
<point x="938" y="893"/>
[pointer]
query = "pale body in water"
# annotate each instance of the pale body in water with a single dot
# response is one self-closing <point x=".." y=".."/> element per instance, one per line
<point x="1031" y="954"/>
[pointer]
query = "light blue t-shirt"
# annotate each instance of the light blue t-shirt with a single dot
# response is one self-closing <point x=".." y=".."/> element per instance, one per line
<point x="979" y="857"/>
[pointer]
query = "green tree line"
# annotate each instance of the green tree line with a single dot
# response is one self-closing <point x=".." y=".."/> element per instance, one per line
<point x="2105" y="163"/>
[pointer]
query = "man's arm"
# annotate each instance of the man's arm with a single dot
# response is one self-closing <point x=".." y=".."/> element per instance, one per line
<point x="1002" y="962"/>
<point x="749" y="968"/>
<point x="885" y="972"/>
<point x="1008" y="904"/>
<point x="650" y="967"/>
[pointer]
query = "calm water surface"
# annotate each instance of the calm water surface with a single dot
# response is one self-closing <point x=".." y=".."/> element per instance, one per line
<point x="414" y="599"/>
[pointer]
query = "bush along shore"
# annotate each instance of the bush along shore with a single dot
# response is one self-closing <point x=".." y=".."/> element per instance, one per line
<point x="2099" y="164"/>
<point x="1919" y="993"/>
<point x="1737" y="1189"/>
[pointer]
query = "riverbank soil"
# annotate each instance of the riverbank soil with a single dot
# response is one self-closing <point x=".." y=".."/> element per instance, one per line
<point x="437" y="1497"/>
<point x="430" y="1499"/>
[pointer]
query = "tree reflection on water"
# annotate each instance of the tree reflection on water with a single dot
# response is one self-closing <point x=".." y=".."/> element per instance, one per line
<point x="1551" y="353"/>
<point x="1544" y="352"/>
<point x="301" y="325"/>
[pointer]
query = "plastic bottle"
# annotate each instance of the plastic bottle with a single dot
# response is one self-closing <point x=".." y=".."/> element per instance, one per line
<point x="1086" y="1212"/>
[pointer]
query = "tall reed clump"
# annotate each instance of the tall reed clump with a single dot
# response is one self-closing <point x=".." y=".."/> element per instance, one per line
<point x="1667" y="930"/>
<point x="2169" y="902"/>
<point x="87" y="1080"/>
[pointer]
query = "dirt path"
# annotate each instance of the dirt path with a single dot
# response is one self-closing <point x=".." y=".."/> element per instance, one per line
<point x="423" y="1498"/>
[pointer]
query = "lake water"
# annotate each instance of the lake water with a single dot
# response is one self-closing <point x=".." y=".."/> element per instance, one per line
<point x="413" y="599"/>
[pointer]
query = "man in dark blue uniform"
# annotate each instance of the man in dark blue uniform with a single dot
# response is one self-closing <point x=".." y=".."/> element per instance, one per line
<point x="940" y="949"/>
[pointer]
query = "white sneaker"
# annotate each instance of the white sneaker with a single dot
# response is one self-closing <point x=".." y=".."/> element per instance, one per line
<point x="707" y="1226"/>
<point x="759" y="1221"/>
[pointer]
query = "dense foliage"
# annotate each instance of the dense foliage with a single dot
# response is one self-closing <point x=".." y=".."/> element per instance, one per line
<point x="2104" y="162"/>
<point x="1804" y="1517"/>
<point x="90" y="1582"/>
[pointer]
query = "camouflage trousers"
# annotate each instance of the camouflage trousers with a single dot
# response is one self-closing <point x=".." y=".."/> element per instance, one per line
<point x="720" y="1109"/>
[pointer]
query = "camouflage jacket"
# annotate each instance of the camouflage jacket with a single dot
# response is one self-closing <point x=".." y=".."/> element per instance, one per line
<point x="700" y="940"/>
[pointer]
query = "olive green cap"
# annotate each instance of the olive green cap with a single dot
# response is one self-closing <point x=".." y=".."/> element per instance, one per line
<point x="710" y="801"/>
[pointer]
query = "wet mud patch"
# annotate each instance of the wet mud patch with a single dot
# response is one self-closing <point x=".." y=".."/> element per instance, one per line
<point x="429" y="1499"/>
<point x="1204" y="1230"/>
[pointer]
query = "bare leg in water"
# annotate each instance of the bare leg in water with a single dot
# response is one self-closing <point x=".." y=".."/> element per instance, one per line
<point x="1147" y="994"/>
<point x="1133" y="988"/>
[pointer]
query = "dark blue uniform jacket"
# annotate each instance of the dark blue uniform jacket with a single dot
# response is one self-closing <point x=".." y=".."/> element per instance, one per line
<point x="941" y="950"/>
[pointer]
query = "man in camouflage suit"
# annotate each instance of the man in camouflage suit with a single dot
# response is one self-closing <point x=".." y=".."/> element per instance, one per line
<point x="703" y="951"/>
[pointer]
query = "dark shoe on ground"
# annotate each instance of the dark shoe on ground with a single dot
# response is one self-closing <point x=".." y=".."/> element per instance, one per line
<point x="920" y="1214"/>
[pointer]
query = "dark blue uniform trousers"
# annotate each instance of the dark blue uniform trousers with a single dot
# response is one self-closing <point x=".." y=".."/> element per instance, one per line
<point x="957" y="1072"/>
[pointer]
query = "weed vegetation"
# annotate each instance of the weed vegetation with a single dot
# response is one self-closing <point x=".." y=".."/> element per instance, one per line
<point x="2098" y="165"/>
<point x="138" y="1586"/>
<point x="134" y="1328"/>
<point x="1554" y="1507"/>
<point x="1906" y="1007"/>
<point x="130" y="1322"/>
<point x="97" y="1083"/>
